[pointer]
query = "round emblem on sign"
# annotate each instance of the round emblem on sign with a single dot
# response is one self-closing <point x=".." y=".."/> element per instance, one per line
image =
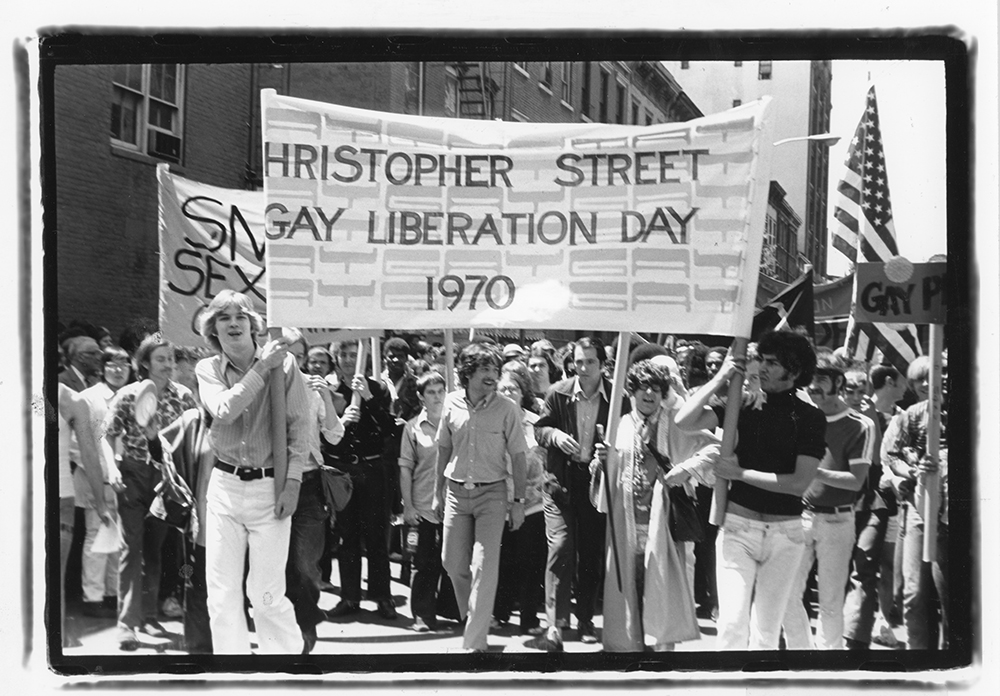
<point x="898" y="269"/>
<point x="268" y="598"/>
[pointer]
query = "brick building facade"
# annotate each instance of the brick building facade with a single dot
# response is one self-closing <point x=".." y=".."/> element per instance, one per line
<point x="114" y="123"/>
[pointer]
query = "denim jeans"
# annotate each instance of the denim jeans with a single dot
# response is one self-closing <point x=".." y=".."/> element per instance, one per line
<point x="473" y="526"/>
<point x="829" y="541"/>
<point x="139" y="564"/>
<point x="575" y="534"/>
<point x="431" y="593"/>
<point x="240" y="517"/>
<point x="863" y="594"/>
<point x="305" y="547"/>
<point x="754" y="561"/>
<point x="920" y="579"/>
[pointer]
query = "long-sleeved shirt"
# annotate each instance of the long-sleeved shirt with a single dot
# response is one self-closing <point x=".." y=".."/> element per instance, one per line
<point x="332" y="433"/>
<point x="479" y="436"/>
<point x="240" y="405"/>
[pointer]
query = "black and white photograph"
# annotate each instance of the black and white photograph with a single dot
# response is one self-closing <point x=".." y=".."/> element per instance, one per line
<point x="505" y="355"/>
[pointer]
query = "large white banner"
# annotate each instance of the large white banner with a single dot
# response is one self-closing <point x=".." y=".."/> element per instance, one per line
<point x="378" y="220"/>
<point x="212" y="239"/>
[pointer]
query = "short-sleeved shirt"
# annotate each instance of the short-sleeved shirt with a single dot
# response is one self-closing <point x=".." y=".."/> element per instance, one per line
<point x="479" y="436"/>
<point x="850" y="439"/>
<point x="171" y="401"/>
<point x="771" y="439"/>
<point x="418" y="453"/>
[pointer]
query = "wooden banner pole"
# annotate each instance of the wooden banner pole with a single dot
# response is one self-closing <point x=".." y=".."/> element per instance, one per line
<point x="279" y="427"/>
<point x="932" y="483"/>
<point x="614" y="418"/>
<point x="359" y="369"/>
<point x="449" y="358"/>
<point x="734" y="402"/>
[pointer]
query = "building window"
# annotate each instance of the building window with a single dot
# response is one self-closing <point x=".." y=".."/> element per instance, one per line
<point x="738" y="63"/>
<point x="685" y="65"/>
<point x="585" y="92"/>
<point x="737" y="102"/>
<point x="567" y="82"/>
<point x="413" y="99"/>
<point x="146" y="109"/>
<point x="635" y="113"/>
<point x="620" y="104"/>
<point x="649" y="119"/>
<point x="450" y="92"/>
<point x="764" y="71"/>
<point x="602" y="105"/>
<point x="547" y="74"/>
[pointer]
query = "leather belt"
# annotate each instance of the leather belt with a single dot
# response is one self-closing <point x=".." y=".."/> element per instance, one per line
<point x="829" y="509"/>
<point x="245" y="473"/>
<point x="472" y="485"/>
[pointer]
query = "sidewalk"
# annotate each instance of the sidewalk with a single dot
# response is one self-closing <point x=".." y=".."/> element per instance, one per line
<point x="366" y="634"/>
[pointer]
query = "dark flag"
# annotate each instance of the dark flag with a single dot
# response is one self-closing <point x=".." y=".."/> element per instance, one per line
<point x="864" y="231"/>
<point x="791" y="308"/>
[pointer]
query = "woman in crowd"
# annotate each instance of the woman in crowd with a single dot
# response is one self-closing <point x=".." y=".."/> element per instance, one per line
<point x="133" y="476"/>
<point x="523" y="552"/>
<point x="650" y="455"/>
<point x="542" y="363"/>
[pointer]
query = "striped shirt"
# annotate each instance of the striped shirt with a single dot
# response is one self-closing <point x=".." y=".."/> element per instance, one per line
<point x="240" y="405"/>
<point x="850" y="441"/>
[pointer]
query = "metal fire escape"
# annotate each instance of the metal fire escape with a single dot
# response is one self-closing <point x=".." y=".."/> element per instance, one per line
<point x="475" y="90"/>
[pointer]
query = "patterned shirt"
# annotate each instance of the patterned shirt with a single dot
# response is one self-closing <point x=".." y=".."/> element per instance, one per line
<point x="171" y="402"/>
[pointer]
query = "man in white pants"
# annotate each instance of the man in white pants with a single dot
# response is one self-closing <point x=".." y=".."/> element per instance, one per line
<point x="245" y="509"/>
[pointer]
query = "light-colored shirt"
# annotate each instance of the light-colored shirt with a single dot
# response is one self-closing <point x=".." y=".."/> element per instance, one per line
<point x="479" y="436"/>
<point x="418" y="452"/>
<point x="586" y="418"/>
<point x="333" y="434"/>
<point x="241" y="408"/>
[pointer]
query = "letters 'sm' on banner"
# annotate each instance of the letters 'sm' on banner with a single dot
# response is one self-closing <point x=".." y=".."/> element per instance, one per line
<point x="211" y="239"/>
<point x="377" y="220"/>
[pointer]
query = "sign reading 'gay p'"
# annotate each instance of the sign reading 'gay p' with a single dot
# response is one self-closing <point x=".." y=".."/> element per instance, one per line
<point x="377" y="220"/>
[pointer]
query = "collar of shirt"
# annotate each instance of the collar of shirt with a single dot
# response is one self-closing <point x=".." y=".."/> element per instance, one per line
<point x="225" y="363"/>
<point x="482" y="404"/>
<point x="424" y="417"/>
<point x="580" y="395"/>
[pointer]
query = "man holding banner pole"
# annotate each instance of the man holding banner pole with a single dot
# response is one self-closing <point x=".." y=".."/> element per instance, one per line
<point x="251" y="496"/>
<point x="778" y="449"/>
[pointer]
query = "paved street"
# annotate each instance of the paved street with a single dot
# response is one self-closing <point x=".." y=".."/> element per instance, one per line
<point x="367" y="634"/>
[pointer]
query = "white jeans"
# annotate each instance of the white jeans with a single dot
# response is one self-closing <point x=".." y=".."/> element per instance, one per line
<point x="754" y="560"/>
<point x="99" y="574"/>
<point x="240" y="515"/>
<point x="829" y="541"/>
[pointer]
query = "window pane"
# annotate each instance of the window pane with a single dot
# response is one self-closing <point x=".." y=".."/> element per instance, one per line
<point x="161" y="115"/>
<point x="128" y="76"/>
<point x="124" y="112"/>
<point x="169" y="83"/>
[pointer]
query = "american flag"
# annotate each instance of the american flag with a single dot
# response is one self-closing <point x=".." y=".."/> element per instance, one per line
<point x="863" y="222"/>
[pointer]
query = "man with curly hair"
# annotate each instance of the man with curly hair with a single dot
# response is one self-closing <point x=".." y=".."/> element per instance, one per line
<point x="478" y="430"/>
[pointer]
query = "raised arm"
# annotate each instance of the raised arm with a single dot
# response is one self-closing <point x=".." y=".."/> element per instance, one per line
<point x="695" y="413"/>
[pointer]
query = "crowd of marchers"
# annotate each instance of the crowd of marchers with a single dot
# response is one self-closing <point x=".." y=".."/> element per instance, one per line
<point x="501" y="491"/>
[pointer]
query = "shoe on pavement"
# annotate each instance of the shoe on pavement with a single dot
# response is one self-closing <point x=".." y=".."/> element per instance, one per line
<point x="172" y="608"/>
<point x="885" y="637"/>
<point x="344" y="607"/>
<point x="97" y="610"/>
<point x="585" y="631"/>
<point x="422" y="625"/>
<point x="550" y="642"/>
<point x="154" y="629"/>
<point x="387" y="610"/>
<point x="126" y="639"/>
<point x="536" y="630"/>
